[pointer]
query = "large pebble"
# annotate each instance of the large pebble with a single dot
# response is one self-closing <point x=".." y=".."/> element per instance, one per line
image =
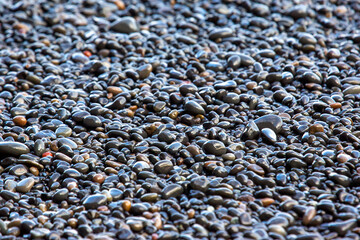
<point x="13" y="148"/>
<point x="94" y="201"/>
<point x="214" y="147"/>
<point x="125" y="25"/>
<point x="271" y="121"/>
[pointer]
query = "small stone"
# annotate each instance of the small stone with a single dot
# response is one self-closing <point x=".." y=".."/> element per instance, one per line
<point x="310" y="213"/>
<point x="352" y="90"/>
<point x="342" y="227"/>
<point x="251" y="131"/>
<point x="343" y="157"/>
<point x="267" y="201"/>
<point x="125" y="25"/>
<point x="256" y="169"/>
<point x="220" y="33"/>
<point x="194" y="108"/>
<point x="20" y="121"/>
<point x="60" y="195"/>
<point x="92" y="121"/>
<point x="163" y="166"/>
<point x="316" y="128"/>
<point x="214" y="147"/>
<point x="270" y="121"/>
<point x="25" y="185"/>
<point x="269" y="135"/>
<point x="145" y="70"/>
<point x="136" y="226"/>
<point x="99" y="178"/>
<point x="63" y="131"/>
<point x="94" y="201"/>
<point x="18" y="170"/>
<point x="126" y="205"/>
<point x="114" y="90"/>
<point x="200" y="183"/>
<point x="172" y="190"/>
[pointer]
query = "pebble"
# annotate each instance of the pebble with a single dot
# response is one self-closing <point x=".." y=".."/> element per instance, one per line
<point x="13" y="148"/>
<point x="269" y="135"/>
<point x="342" y="227"/>
<point x="92" y="121"/>
<point x="125" y="25"/>
<point x="214" y="147"/>
<point x="172" y="190"/>
<point x="310" y="213"/>
<point x="251" y="131"/>
<point x="63" y="131"/>
<point x="352" y="90"/>
<point x="25" y="185"/>
<point x="163" y="166"/>
<point x="269" y="121"/>
<point x="20" y="121"/>
<point x="194" y="108"/>
<point x="94" y="201"/>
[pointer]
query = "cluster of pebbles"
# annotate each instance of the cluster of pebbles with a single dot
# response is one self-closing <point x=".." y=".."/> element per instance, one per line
<point x="127" y="119"/>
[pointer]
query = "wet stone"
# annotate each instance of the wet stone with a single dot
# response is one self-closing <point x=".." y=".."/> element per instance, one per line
<point x="125" y="25"/>
<point x="25" y="185"/>
<point x="13" y="148"/>
<point x="214" y="147"/>
<point x="63" y="131"/>
<point x="94" y="201"/>
<point x="200" y="183"/>
<point x="269" y="121"/>
<point x="164" y="166"/>
<point x="92" y="121"/>
<point x="172" y="190"/>
<point x="269" y="135"/>
<point x="194" y="108"/>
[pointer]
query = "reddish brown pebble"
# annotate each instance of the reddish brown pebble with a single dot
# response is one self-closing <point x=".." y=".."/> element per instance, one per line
<point x="267" y="201"/>
<point x="191" y="213"/>
<point x="343" y="157"/>
<point x="99" y="178"/>
<point x="72" y="222"/>
<point x="256" y="169"/>
<point x="316" y="128"/>
<point x="114" y="90"/>
<point x="154" y="236"/>
<point x="102" y="208"/>
<point x="126" y="205"/>
<point x="335" y="105"/>
<point x="20" y="121"/>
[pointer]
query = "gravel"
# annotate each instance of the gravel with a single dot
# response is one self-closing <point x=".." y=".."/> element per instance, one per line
<point x="131" y="119"/>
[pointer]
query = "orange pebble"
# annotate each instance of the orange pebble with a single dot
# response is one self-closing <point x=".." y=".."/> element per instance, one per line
<point x="335" y="105"/>
<point x="133" y="108"/>
<point x="126" y="205"/>
<point x="120" y="4"/>
<point x="87" y="53"/>
<point x="47" y="154"/>
<point x="267" y="201"/>
<point x="98" y="178"/>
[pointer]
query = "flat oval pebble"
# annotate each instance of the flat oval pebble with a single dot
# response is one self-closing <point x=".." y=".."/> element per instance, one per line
<point x="214" y="147"/>
<point x="94" y="201"/>
<point x="13" y="148"/>
<point x="172" y="190"/>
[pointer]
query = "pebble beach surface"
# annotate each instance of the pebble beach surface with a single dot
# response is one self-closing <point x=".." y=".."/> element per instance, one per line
<point x="180" y="119"/>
